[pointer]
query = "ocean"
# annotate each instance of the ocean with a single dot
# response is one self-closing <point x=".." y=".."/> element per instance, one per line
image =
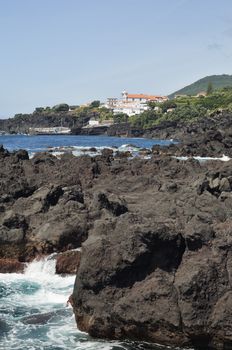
<point x="33" y="311"/>
<point x="76" y="144"/>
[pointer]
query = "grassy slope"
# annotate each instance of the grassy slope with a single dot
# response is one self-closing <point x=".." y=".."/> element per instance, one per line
<point x="218" y="81"/>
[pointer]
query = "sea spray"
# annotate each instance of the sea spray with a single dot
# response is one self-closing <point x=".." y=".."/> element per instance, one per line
<point x="34" y="315"/>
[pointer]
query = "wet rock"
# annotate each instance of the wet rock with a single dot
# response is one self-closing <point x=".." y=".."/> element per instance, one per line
<point x="44" y="317"/>
<point x="68" y="262"/>
<point x="11" y="266"/>
<point x="4" y="328"/>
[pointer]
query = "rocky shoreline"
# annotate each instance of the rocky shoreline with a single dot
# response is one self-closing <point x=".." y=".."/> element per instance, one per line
<point x="219" y="121"/>
<point x="156" y="237"/>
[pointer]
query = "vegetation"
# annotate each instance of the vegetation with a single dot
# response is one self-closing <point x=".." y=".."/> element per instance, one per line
<point x="120" y="118"/>
<point x="95" y="104"/>
<point x="63" y="107"/>
<point x="209" y="88"/>
<point x="82" y="113"/>
<point x="217" y="81"/>
<point x="185" y="108"/>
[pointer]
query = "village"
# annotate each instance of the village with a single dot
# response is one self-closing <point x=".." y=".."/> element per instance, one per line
<point x="97" y="117"/>
<point x="129" y="104"/>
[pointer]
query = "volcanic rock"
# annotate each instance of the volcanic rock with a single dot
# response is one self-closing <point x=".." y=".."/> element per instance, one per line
<point x="156" y="260"/>
<point x="11" y="265"/>
<point x="68" y="262"/>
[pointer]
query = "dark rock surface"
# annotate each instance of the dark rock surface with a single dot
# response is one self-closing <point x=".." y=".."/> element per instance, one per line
<point x="156" y="262"/>
<point x="211" y="136"/>
<point x="161" y="271"/>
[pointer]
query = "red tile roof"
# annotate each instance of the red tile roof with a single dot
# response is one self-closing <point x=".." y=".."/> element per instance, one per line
<point x="146" y="97"/>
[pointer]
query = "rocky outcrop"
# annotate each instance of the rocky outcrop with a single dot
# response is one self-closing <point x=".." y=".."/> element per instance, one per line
<point x="156" y="260"/>
<point x="161" y="271"/>
<point x="22" y="122"/>
<point x="210" y="136"/>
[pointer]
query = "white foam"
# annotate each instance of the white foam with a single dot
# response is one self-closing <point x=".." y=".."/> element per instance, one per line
<point x="224" y="158"/>
<point x="128" y="148"/>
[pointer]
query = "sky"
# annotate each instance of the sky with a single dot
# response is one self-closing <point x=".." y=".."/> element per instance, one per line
<point x="77" y="51"/>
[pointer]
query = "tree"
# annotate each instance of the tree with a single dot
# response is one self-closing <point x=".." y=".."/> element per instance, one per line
<point x="39" y="109"/>
<point x="95" y="104"/>
<point x="62" y="107"/>
<point x="209" y="88"/>
<point x="167" y="105"/>
<point x="120" y="118"/>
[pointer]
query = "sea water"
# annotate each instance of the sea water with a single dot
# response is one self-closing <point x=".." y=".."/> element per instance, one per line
<point x="77" y="143"/>
<point x="34" y="315"/>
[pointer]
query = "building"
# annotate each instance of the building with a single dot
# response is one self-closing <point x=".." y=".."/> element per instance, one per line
<point x="94" y="123"/>
<point x="142" y="98"/>
<point x="132" y="104"/>
<point x="58" y="130"/>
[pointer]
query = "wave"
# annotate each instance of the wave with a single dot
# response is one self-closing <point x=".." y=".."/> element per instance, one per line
<point x="224" y="158"/>
<point x="34" y="316"/>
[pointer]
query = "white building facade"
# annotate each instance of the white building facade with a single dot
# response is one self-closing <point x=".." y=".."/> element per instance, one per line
<point x="132" y="104"/>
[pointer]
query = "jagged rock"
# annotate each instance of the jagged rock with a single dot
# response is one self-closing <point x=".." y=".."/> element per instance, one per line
<point x="156" y="265"/>
<point x="112" y="203"/>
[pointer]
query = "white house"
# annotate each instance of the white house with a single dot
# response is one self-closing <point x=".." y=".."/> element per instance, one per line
<point x="132" y="104"/>
<point x="93" y="122"/>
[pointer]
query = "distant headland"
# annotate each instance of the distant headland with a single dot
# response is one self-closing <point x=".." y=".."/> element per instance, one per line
<point x="134" y="114"/>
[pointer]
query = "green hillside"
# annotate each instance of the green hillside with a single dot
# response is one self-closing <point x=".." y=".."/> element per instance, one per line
<point x="217" y="81"/>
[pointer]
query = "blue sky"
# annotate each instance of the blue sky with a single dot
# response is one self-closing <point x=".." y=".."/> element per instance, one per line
<point x="75" y="51"/>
